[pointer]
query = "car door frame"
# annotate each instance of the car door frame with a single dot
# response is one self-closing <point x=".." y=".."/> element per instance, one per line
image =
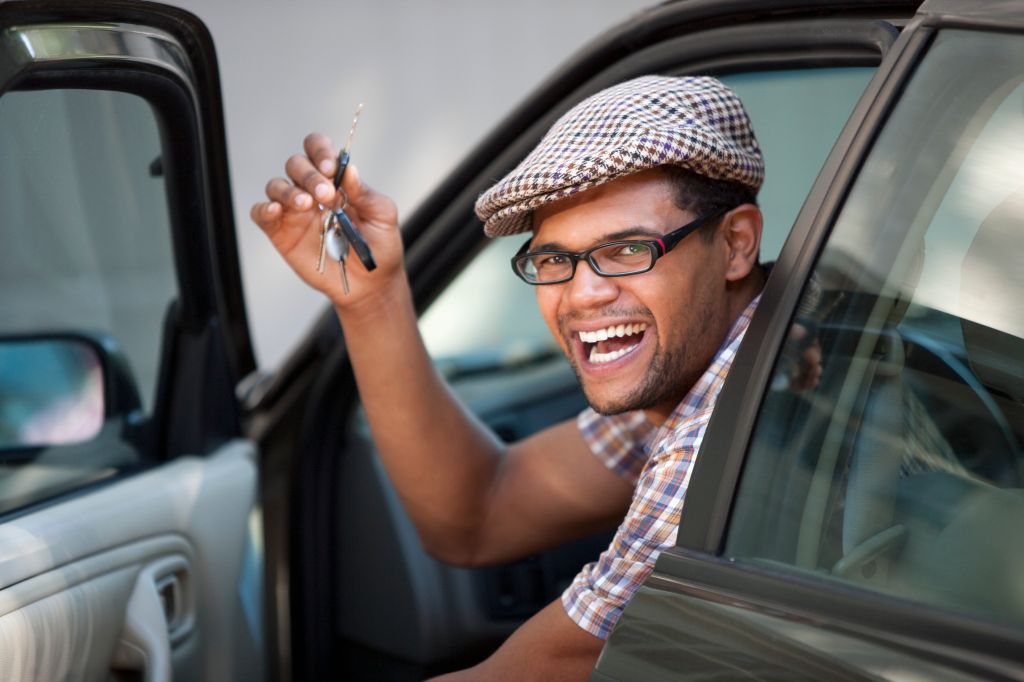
<point x="695" y="571"/>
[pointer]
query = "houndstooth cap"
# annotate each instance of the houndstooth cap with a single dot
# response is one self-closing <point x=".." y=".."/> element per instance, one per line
<point x="693" y="122"/>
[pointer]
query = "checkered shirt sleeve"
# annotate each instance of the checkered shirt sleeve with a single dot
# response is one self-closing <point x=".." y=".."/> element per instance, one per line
<point x="601" y="590"/>
<point x="618" y="440"/>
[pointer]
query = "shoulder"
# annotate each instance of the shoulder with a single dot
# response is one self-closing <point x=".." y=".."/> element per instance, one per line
<point x="683" y="439"/>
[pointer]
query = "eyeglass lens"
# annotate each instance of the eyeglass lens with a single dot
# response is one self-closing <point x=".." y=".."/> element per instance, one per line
<point x="620" y="258"/>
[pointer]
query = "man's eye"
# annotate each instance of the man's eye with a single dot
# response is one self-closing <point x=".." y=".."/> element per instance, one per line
<point x="629" y="251"/>
<point x="550" y="260"/>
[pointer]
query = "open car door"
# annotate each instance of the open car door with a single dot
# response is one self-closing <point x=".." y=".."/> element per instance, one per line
<point x="126" y="491"/>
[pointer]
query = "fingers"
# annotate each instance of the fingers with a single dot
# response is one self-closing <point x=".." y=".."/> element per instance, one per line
<point x="321" y="152"/>
<point x="306" y="177"/>
<point x="265" y="213"/>
<point x="809" y="370"/>
<point x="288" y="195"/>
<point x="371" y="205"/>
<point x="353" y="184"/>
<point x="292" y="200"/>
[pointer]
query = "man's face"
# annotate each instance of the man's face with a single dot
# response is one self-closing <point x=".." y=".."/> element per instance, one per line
<point x="640" y="341"/>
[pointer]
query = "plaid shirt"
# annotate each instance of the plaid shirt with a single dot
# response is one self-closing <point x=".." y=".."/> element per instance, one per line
<point x="659" y="461"/>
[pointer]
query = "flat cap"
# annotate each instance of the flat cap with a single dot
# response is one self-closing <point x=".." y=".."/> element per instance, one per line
<point x="692" y="122"/>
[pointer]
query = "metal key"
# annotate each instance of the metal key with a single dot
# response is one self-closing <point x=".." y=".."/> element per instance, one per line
<point x="337" y="246"/>
<point x="343" y="156"/>
<point x="352" y="233"/>
<point x="338" y="233"/>
<point x="325" y="227"/>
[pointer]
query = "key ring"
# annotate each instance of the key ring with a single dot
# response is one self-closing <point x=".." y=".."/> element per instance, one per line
<point x="327" y="218"/>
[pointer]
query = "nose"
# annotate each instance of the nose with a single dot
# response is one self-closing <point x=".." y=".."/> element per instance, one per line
<point x="589" y="289"/>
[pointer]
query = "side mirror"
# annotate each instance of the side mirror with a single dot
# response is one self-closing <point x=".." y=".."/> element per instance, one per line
<point x="61" y="389"/>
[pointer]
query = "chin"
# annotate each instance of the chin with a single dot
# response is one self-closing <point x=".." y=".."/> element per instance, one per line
<point x="602" y="403"/>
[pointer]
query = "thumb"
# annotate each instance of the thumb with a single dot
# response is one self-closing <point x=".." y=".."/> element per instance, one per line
<point x="371" y="205"/>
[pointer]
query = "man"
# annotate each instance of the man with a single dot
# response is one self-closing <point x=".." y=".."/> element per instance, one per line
<point x="649" y="315"/>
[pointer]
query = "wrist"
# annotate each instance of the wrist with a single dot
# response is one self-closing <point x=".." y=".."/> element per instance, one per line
<point x="384" y="299"/>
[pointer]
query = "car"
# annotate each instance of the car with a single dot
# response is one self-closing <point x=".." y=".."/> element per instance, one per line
<point x="169" y="511"/>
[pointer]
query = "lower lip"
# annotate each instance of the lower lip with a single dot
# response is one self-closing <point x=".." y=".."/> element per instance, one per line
<point x="609" y="367"/>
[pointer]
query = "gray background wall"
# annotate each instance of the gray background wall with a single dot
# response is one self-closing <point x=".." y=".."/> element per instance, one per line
<point x="434" y="76"/>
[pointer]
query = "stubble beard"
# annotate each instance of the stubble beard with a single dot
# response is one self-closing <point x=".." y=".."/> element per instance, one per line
<point x="666" y="380"/>
<point x="669" y="377"/>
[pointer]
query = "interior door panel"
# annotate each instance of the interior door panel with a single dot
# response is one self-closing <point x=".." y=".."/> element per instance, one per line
<point x="75" y="577"/>
<point x="420" y="610"/>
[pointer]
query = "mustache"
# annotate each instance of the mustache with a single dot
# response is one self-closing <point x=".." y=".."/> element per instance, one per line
<point x="582" y="316"/>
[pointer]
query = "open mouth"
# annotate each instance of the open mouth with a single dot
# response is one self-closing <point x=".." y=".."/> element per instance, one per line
<point x="611" y="343"/>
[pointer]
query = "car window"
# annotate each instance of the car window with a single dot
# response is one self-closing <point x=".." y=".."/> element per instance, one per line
<point x="85" y="220"/>
<point x="902" y="470"/>
<point x="86" y="275"/>
<point x="797" y="116"/>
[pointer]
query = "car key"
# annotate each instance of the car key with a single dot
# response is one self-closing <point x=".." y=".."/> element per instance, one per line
<point x="352" y="234"/>
<point x="337" y="245"/>
<point x="324" y="229"/>
<point x="330" y="220"/>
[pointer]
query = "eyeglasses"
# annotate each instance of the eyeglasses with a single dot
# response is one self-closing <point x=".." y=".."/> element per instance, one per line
<point x="610" y="259"/>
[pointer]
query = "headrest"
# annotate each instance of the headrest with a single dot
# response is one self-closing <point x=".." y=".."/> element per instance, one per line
<point x="992" y="298"/>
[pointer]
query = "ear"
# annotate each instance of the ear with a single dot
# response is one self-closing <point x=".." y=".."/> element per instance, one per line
<point x="741" y="229"/>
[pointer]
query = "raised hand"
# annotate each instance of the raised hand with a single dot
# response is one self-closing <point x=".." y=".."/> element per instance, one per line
<point x="292" y="219"/>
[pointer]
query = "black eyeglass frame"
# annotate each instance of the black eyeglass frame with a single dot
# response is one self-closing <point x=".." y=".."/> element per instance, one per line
<point x="659" y="247"/>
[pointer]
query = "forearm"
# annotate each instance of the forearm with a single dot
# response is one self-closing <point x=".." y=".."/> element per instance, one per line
<point x="440" y="459"/>
<point x="549" y="647"/>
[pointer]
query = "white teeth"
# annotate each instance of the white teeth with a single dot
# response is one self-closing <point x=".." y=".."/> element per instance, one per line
<point x="612" y="332"/>
<point x="602" y="358"/>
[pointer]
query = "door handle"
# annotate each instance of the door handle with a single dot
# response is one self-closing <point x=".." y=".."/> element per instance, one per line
<point x="157" y="604"/>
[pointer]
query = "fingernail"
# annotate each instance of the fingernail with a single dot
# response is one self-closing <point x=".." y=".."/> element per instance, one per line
<point x="303" y="201"/>
<point x="326" y="166"/>
<point x="323" y="191"/>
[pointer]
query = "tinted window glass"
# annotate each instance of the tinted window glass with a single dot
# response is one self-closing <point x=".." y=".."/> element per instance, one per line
<point x="86" y="236"/>
<point x="797" y="116"/>
<point x="902" y="470"/>
<point x="86" y="276"/>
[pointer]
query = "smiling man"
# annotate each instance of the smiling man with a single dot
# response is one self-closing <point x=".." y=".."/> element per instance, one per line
<point x="643" y="250"/>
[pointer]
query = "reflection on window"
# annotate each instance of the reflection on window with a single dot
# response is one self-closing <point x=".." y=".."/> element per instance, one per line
<point x="903" y="469"/>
